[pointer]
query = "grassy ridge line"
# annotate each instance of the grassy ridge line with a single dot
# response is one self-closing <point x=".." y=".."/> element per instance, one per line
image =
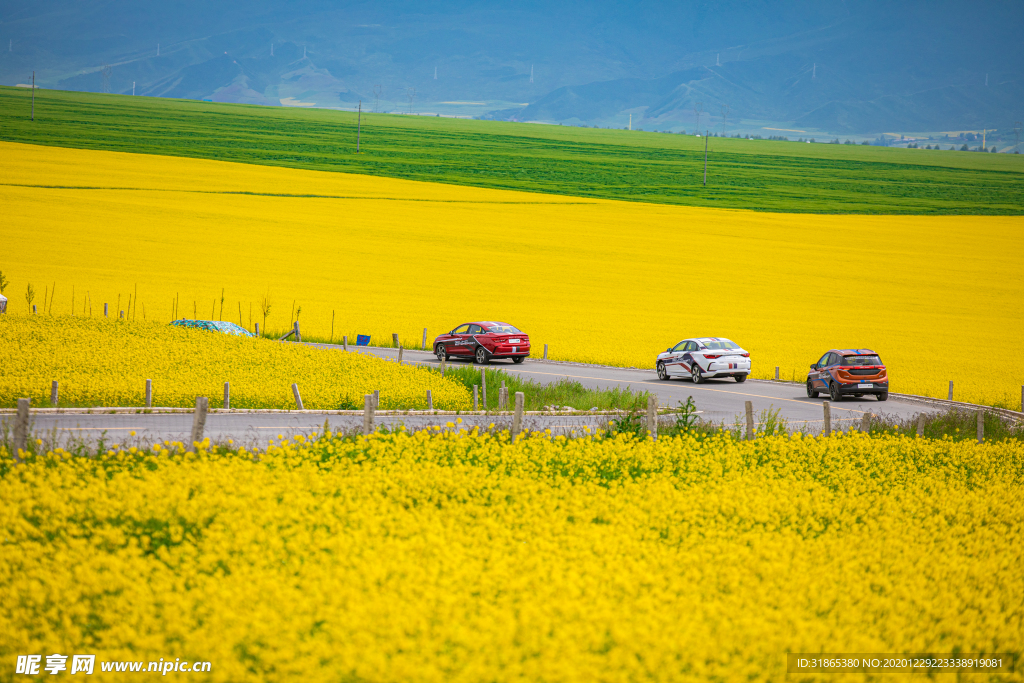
<point x="635" y="166"/>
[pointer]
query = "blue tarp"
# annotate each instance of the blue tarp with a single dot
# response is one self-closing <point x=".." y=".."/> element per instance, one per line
<point x="214" y="326"/>
<point x="362" y="340"/>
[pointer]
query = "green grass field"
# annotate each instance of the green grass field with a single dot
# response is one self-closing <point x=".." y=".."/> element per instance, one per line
<point x="612" y="164"/>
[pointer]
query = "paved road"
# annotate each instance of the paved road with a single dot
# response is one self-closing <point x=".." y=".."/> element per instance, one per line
<point x="717" y="401"/>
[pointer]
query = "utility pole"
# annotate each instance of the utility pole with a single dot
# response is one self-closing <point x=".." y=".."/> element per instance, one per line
<point x="531" y="73"/>
<point x="705" y="158"/>
<point x="378" y="90"/>
<point x="814" y="71"/>
<point x="158" y="49"/>
<point x="33" y="95"/>
<point x="698" y="109"/>
<point x="631" y="122"/>
<point x="359" y="125"/>
<point x="133" y="88"/>
<point x="1016" y="132"/>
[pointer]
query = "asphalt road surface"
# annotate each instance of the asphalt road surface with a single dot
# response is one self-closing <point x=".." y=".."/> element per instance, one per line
<point x="717" y="401"/>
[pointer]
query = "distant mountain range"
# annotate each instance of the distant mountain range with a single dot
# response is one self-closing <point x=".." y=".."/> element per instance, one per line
<point x="839" y="66"/>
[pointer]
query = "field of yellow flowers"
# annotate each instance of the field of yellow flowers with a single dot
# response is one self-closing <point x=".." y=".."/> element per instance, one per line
<point x="101" y="362"/>
<point x="455" y="556"/>
<point x="599" y="281"/>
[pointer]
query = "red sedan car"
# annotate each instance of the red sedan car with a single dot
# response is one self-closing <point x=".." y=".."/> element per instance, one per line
<point x="483" y="341"/>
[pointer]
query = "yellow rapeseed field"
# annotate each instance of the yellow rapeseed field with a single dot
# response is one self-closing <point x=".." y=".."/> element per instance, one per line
<point x="107" y="362"/>
<point x="599" y="281"/>
<point x="449" y="557"/>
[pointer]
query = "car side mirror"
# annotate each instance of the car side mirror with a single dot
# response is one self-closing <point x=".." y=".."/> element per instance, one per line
<point x="668" y="350"/>
<point x="814" y="366"/>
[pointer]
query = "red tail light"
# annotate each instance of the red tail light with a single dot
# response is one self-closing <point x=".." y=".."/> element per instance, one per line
<point x="711" y="355"/>
<point x="746" y="355"/>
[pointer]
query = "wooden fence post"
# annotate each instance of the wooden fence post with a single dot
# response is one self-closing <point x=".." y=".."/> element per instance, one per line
<point x="776" y="373"/>
<point x="502" y="396"/>
<point x="981" y="426"/>
<point x="298" y="397"/>
<point x="865" y="423"/>
<point x="399" y="355"/>
<point x="257" y="329"/>
<point x="368" y="414"/>
<point x="950" y="397"/>
<point x="54" y="388"/>
<point x="430" y="400"/>
<point x="545" y="352"/>
<point x="106" y="310"/>
<point x="443" y="361"/>
<point x="827" y="431"/>
<point x="652" y="416"/>
<point x="376" y="399"/>
<point x="198" y="421"/>
<point x="748" y="406"/>
<point x="394" y="338"/>
<point x="227" y="395"/>
<point x="920" y="424"/>
<point x="517" y="419"/>
<point x="21" y="429"/>
<point x="298" y="335"/>
<point x="344" y="343"/>
<point x="483" y="388"/>
<point x="476" y="397"/>
<point x="149" y="393"/>
<point x="424" y="339"/>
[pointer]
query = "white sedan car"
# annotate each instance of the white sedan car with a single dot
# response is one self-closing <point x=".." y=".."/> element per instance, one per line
<point x="702" y="358"/>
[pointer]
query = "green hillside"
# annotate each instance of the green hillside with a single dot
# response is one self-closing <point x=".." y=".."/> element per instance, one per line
<point x="613" y="164"/>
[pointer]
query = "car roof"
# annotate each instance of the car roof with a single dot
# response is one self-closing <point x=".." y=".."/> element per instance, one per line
<point x="488" y="323"/>
<point x="854" y="352"/>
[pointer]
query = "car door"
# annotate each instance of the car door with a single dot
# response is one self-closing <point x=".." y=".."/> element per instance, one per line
<point x="457" y="342"/>
<point x="815" y="373"/>
<point x="824" y="376"/>
<point x="687" y="357"/>
<point x="471" y="340"/>
<point x="673" y="364"/>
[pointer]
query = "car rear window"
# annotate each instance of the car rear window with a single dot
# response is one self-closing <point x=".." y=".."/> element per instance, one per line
<point x="721" y="345"/>
<point x="861" y="360"/>
<point x="503" y="329"/>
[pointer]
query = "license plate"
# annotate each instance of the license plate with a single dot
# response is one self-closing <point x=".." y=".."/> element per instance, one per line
<point x="514" y="341"/>
<point x="863" y="386"/>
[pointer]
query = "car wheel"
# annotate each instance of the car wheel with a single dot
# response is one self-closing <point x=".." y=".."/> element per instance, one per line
<point x="741" y="378"/>
<point x="884" y="396"/>
<point x="662" y="372"/>
<point x="481" y="357"/>
<point x="518" y="359"/>
<point x="440" y="352"/>
<point x="811" y="393"/>
<point x="696" y="375"/>
<point x="833" y="392"/>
